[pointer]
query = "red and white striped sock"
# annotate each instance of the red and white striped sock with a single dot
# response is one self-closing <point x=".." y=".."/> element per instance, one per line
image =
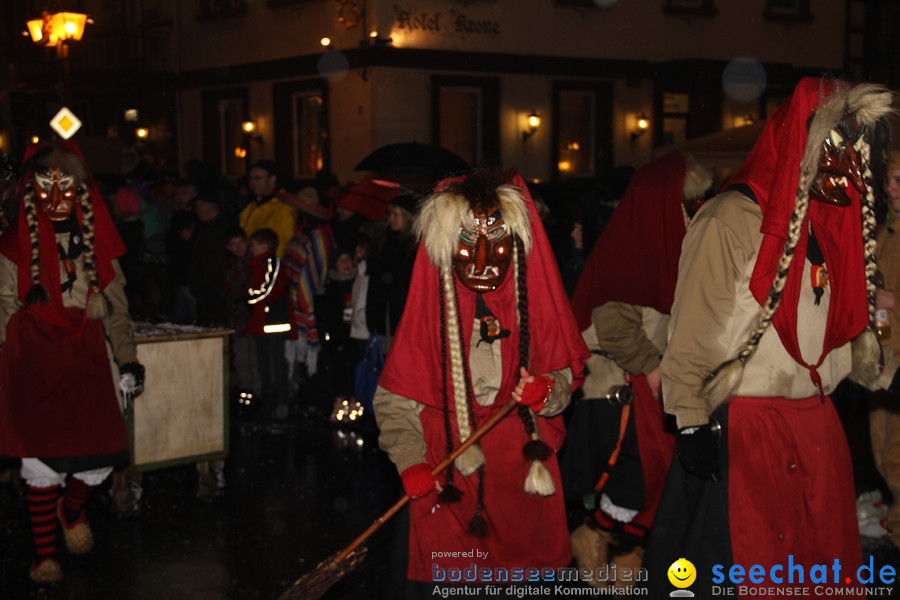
<point x="76" y="496"/>
<point x="42" y="514"/>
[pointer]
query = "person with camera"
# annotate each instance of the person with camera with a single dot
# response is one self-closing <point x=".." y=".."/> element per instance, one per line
<point x="622" y="303"/>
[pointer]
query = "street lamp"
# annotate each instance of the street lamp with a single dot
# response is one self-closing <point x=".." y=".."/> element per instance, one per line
<point x="56" y="30"/>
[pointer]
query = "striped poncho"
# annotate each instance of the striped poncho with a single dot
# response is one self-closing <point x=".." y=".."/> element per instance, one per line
<point x="306" y="263"/>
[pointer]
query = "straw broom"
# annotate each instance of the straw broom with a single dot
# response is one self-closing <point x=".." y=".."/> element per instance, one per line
<point x="314" y="584"/>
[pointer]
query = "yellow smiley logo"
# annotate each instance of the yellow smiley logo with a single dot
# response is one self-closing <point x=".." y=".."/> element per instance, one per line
<point x="682" y="573"/>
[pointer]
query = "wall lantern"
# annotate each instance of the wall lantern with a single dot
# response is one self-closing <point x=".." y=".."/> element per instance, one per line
<point x="142" y="132"/>
<point x="326" y="42"/>
<point x="377" y="40"/>
<point x="641" y="125"/>
<point x="249" y="129"/>
<point x="56" y="29"/>
<point x="533" y="122"/>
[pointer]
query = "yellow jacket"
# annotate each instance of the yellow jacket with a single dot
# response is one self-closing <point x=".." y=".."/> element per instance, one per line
<point x="271" y="213"/>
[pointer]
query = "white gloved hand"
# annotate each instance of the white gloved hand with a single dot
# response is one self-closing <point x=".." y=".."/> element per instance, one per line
<point x="131" y="381"/>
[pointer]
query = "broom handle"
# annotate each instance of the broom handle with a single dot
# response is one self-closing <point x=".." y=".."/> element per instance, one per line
<point x="476" y="435"/>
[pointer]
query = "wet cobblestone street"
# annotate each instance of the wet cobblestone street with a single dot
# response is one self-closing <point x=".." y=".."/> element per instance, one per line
<point x="295" y="494"/>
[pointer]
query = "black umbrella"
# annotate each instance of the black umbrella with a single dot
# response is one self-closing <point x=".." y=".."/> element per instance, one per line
<point x="412" y="158"/>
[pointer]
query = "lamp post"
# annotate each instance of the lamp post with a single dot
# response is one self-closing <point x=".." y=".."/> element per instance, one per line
<point x="56" y="30"/>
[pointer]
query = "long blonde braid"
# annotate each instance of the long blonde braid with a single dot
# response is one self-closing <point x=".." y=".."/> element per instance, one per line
<point x="470" y="460"/>
<point x="868" y="359"/>
<point x="37" y="293"/>
<point x="98" y="305"/>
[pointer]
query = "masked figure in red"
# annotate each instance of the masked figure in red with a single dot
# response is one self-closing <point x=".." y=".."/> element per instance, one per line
<point x="63" y="314"/>
<point x="622" y="303"/>
<point x="486" y="319"/>
<point x="774" y="306"/>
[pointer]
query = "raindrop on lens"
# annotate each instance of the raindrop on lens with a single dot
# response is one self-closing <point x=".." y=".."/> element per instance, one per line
<point x="333" y="65"/>
<point x="744" y="79"/>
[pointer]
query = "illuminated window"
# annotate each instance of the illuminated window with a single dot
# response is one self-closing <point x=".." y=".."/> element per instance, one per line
<point x="576" y="141"/>
<point x="466" y="117"/>
<point x="676" y="113"/>
<point x="301" y="127"/>
<point x="223" y="113"/>
<point x="308" y="125"/>
<point x="459" y="121"/>
<point x="582" y="127"/>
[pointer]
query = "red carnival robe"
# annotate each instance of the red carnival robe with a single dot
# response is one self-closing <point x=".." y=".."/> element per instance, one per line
<point x="525" y="530"/>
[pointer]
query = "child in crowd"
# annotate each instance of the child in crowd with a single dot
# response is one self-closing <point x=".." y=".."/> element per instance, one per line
<point x="358" y="329"/>
<point x="268" y="322"/>
<point x="334" y="312"/>
<point x="238" y="275"/>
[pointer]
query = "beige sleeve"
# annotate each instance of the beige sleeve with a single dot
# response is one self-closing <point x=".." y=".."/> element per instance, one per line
<point x="714" y="256"/>
<point x="620" y="331"/>
<point x="400" y="430"/>
<point x="118" y="323"/>
<point x="561" y="395"/>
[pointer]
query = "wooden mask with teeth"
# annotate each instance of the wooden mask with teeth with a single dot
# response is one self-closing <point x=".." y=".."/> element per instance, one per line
<point x="840" y="165"/>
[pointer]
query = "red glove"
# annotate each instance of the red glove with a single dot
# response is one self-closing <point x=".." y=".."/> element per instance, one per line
<point x="418" y="480"/>
<point x="537" y="392"/>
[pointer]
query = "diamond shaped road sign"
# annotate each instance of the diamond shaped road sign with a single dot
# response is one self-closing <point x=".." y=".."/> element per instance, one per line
<point x="65" y="123"/>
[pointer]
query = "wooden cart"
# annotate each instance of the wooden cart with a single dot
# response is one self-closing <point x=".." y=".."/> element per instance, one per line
<point x="182" y="415"/>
